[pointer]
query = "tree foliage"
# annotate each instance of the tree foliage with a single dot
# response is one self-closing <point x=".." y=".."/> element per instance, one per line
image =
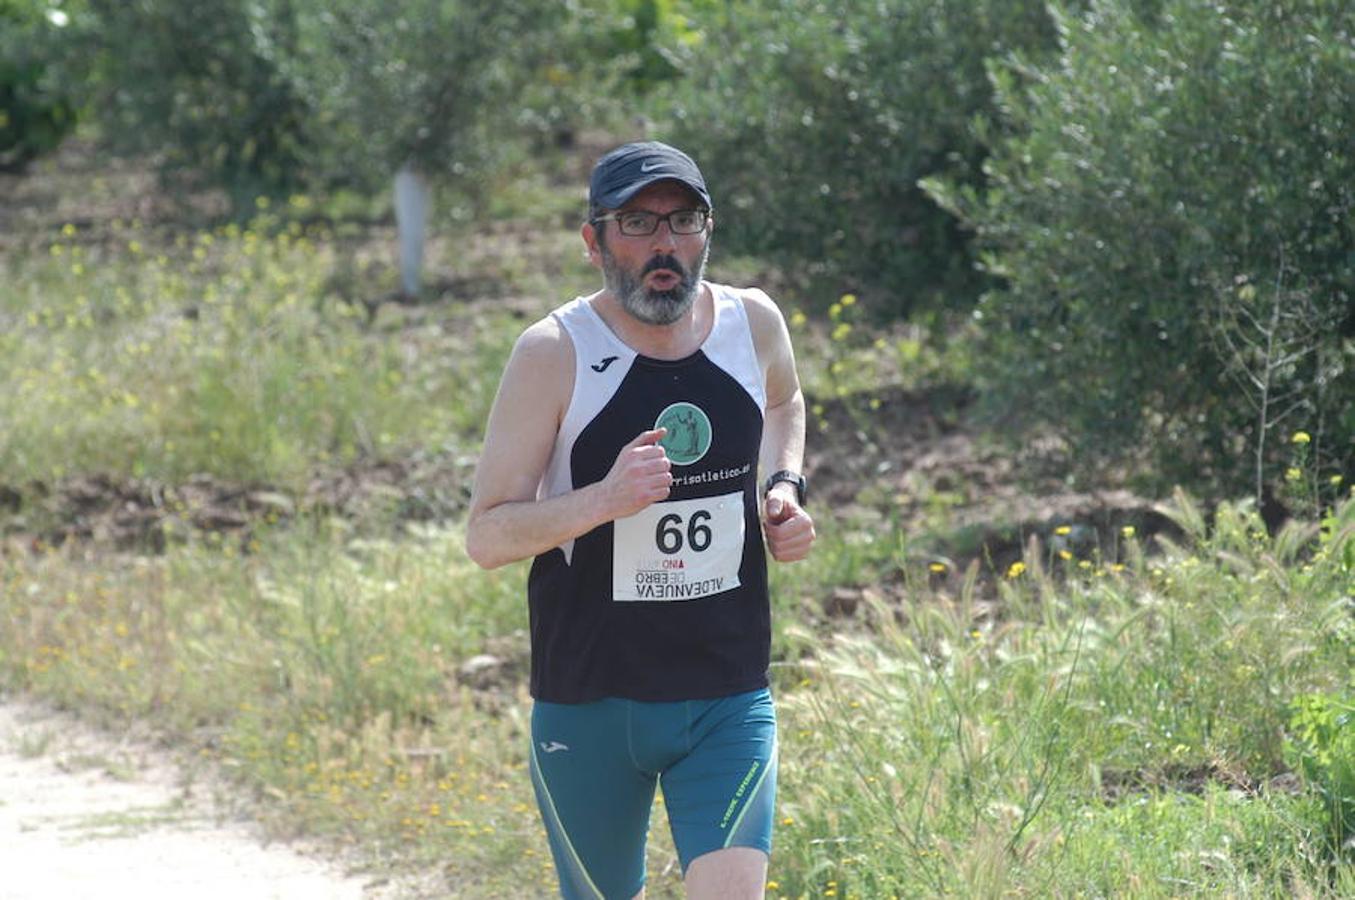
<point x="199" y="85"/>
<point x="1167" y="188"/>
<point x="436" y="84"/>
<point x="816" y="120"/>
<point x="268" y="96"/>
<point x="35" y="111"/>
<point x="646" y="40"/>
<point x="1146" y="204"/>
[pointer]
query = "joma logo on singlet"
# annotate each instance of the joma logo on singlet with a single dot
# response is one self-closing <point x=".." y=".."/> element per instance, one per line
<point x="601" y="365"/>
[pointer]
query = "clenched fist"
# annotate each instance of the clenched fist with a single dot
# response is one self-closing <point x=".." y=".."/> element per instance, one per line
<point x="788" y="528"/>
<point x="641" y="475"/>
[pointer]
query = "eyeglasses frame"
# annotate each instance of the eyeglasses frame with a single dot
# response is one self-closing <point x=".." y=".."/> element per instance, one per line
<point x="666" y="217"/>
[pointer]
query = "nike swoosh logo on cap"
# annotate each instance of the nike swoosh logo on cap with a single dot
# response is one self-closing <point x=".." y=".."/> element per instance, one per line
<point x="649" y="166"/>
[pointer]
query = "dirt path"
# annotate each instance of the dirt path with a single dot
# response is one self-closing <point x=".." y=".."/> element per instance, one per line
<point x="84" y="815"/>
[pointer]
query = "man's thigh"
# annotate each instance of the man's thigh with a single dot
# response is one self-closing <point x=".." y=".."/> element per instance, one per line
<point x="723" y="792"/>
<point x="594" y="802"/>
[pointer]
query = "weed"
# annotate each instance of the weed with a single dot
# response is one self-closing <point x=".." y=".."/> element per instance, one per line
<point x="1322" y="747"/>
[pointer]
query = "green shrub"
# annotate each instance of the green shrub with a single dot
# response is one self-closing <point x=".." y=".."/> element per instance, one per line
<point x="269" y="97"/>
<point x="814" y="121"/>
<point x="1112" y="732"/>
<point x="1169" y="216"/>
<point x="35" y="112"/>
<point x="200" y="86"/>
<point x="1322" y="747"/>
<point x="435" y="84"/>
<point x="638" y="34"/>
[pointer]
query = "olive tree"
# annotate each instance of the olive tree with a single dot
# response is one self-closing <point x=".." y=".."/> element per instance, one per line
<point x="422" y="91"/>
<point x="198" y="86"/>
<point x="1167" y="211"/>
<point x="817" y="119"/>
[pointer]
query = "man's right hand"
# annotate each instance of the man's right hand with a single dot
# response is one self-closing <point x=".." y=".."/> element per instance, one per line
<point x="641" y="475"/>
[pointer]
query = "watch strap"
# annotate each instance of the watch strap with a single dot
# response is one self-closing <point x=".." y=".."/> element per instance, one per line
<point x="786" y="475"/>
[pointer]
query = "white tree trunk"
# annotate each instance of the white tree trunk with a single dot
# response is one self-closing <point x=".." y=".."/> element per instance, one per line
<point x="411" y="218"/>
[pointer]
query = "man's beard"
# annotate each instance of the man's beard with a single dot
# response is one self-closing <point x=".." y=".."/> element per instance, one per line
<point x="655" y="307"/>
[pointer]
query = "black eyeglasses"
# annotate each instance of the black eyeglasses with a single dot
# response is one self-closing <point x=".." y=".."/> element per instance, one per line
<point x="640" y="223"/>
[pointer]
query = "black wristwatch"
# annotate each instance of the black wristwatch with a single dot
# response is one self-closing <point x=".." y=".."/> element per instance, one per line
<point x="795" y="478"/>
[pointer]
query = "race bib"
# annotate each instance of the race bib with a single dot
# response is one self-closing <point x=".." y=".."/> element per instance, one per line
<point x="679" y="550"/>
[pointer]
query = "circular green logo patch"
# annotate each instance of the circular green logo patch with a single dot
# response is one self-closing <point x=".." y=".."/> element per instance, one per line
<point x="688" y="436"/>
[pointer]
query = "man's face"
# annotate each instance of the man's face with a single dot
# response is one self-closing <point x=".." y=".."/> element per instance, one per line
<point x="655" y="277"/>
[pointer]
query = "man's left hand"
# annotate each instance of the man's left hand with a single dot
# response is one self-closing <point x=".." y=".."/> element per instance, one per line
<point x="789" y="529"/>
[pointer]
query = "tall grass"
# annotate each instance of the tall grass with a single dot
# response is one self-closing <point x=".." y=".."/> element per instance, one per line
<point x="229" y="354"/>
<point x="1113" y="735"/>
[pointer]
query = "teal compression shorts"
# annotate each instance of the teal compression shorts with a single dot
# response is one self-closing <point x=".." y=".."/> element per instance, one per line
<point x="595" y="765"/>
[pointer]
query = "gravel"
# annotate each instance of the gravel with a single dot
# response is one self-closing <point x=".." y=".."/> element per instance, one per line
<point x="87" y="814"/>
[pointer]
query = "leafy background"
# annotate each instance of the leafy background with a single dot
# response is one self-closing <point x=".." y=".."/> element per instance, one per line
<point x="1070" y="291"/>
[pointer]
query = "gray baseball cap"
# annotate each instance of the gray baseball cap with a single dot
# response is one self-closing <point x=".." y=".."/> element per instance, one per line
<point x="623" y="172"/>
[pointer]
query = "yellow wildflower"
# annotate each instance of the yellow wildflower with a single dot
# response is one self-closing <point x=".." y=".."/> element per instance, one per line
<point x="1301" y="437"/>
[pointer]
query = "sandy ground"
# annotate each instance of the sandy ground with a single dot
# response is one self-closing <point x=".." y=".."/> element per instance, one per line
<point x="85" y="815"/>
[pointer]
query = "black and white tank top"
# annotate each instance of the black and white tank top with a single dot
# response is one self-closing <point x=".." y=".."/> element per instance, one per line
<point x="670" y="603"/>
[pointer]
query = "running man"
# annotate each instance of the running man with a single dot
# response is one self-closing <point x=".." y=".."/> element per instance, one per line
<point x="623" y="454"/>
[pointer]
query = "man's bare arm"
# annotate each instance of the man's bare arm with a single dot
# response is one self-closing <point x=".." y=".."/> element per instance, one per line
<point x="788" y="528"/>
<point x="507" y="523"/>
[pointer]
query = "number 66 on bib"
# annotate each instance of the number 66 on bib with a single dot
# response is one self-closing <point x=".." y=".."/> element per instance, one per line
<point x="679" y="550"/>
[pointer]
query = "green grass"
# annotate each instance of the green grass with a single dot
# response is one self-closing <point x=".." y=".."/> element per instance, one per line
<point x="230" y="352"/>
<point x="1111" y="731"/>
<point x="932" y="752"/>
<point x="948" y="756"/>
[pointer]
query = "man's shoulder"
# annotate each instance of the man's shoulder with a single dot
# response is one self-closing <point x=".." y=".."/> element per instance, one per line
<point x="545" y="342"/>
<point x="753" y="298"/>
<point x="763" y="313"/>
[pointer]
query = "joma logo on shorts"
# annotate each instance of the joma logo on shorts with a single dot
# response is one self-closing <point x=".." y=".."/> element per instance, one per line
<point x="552" y="746"/>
